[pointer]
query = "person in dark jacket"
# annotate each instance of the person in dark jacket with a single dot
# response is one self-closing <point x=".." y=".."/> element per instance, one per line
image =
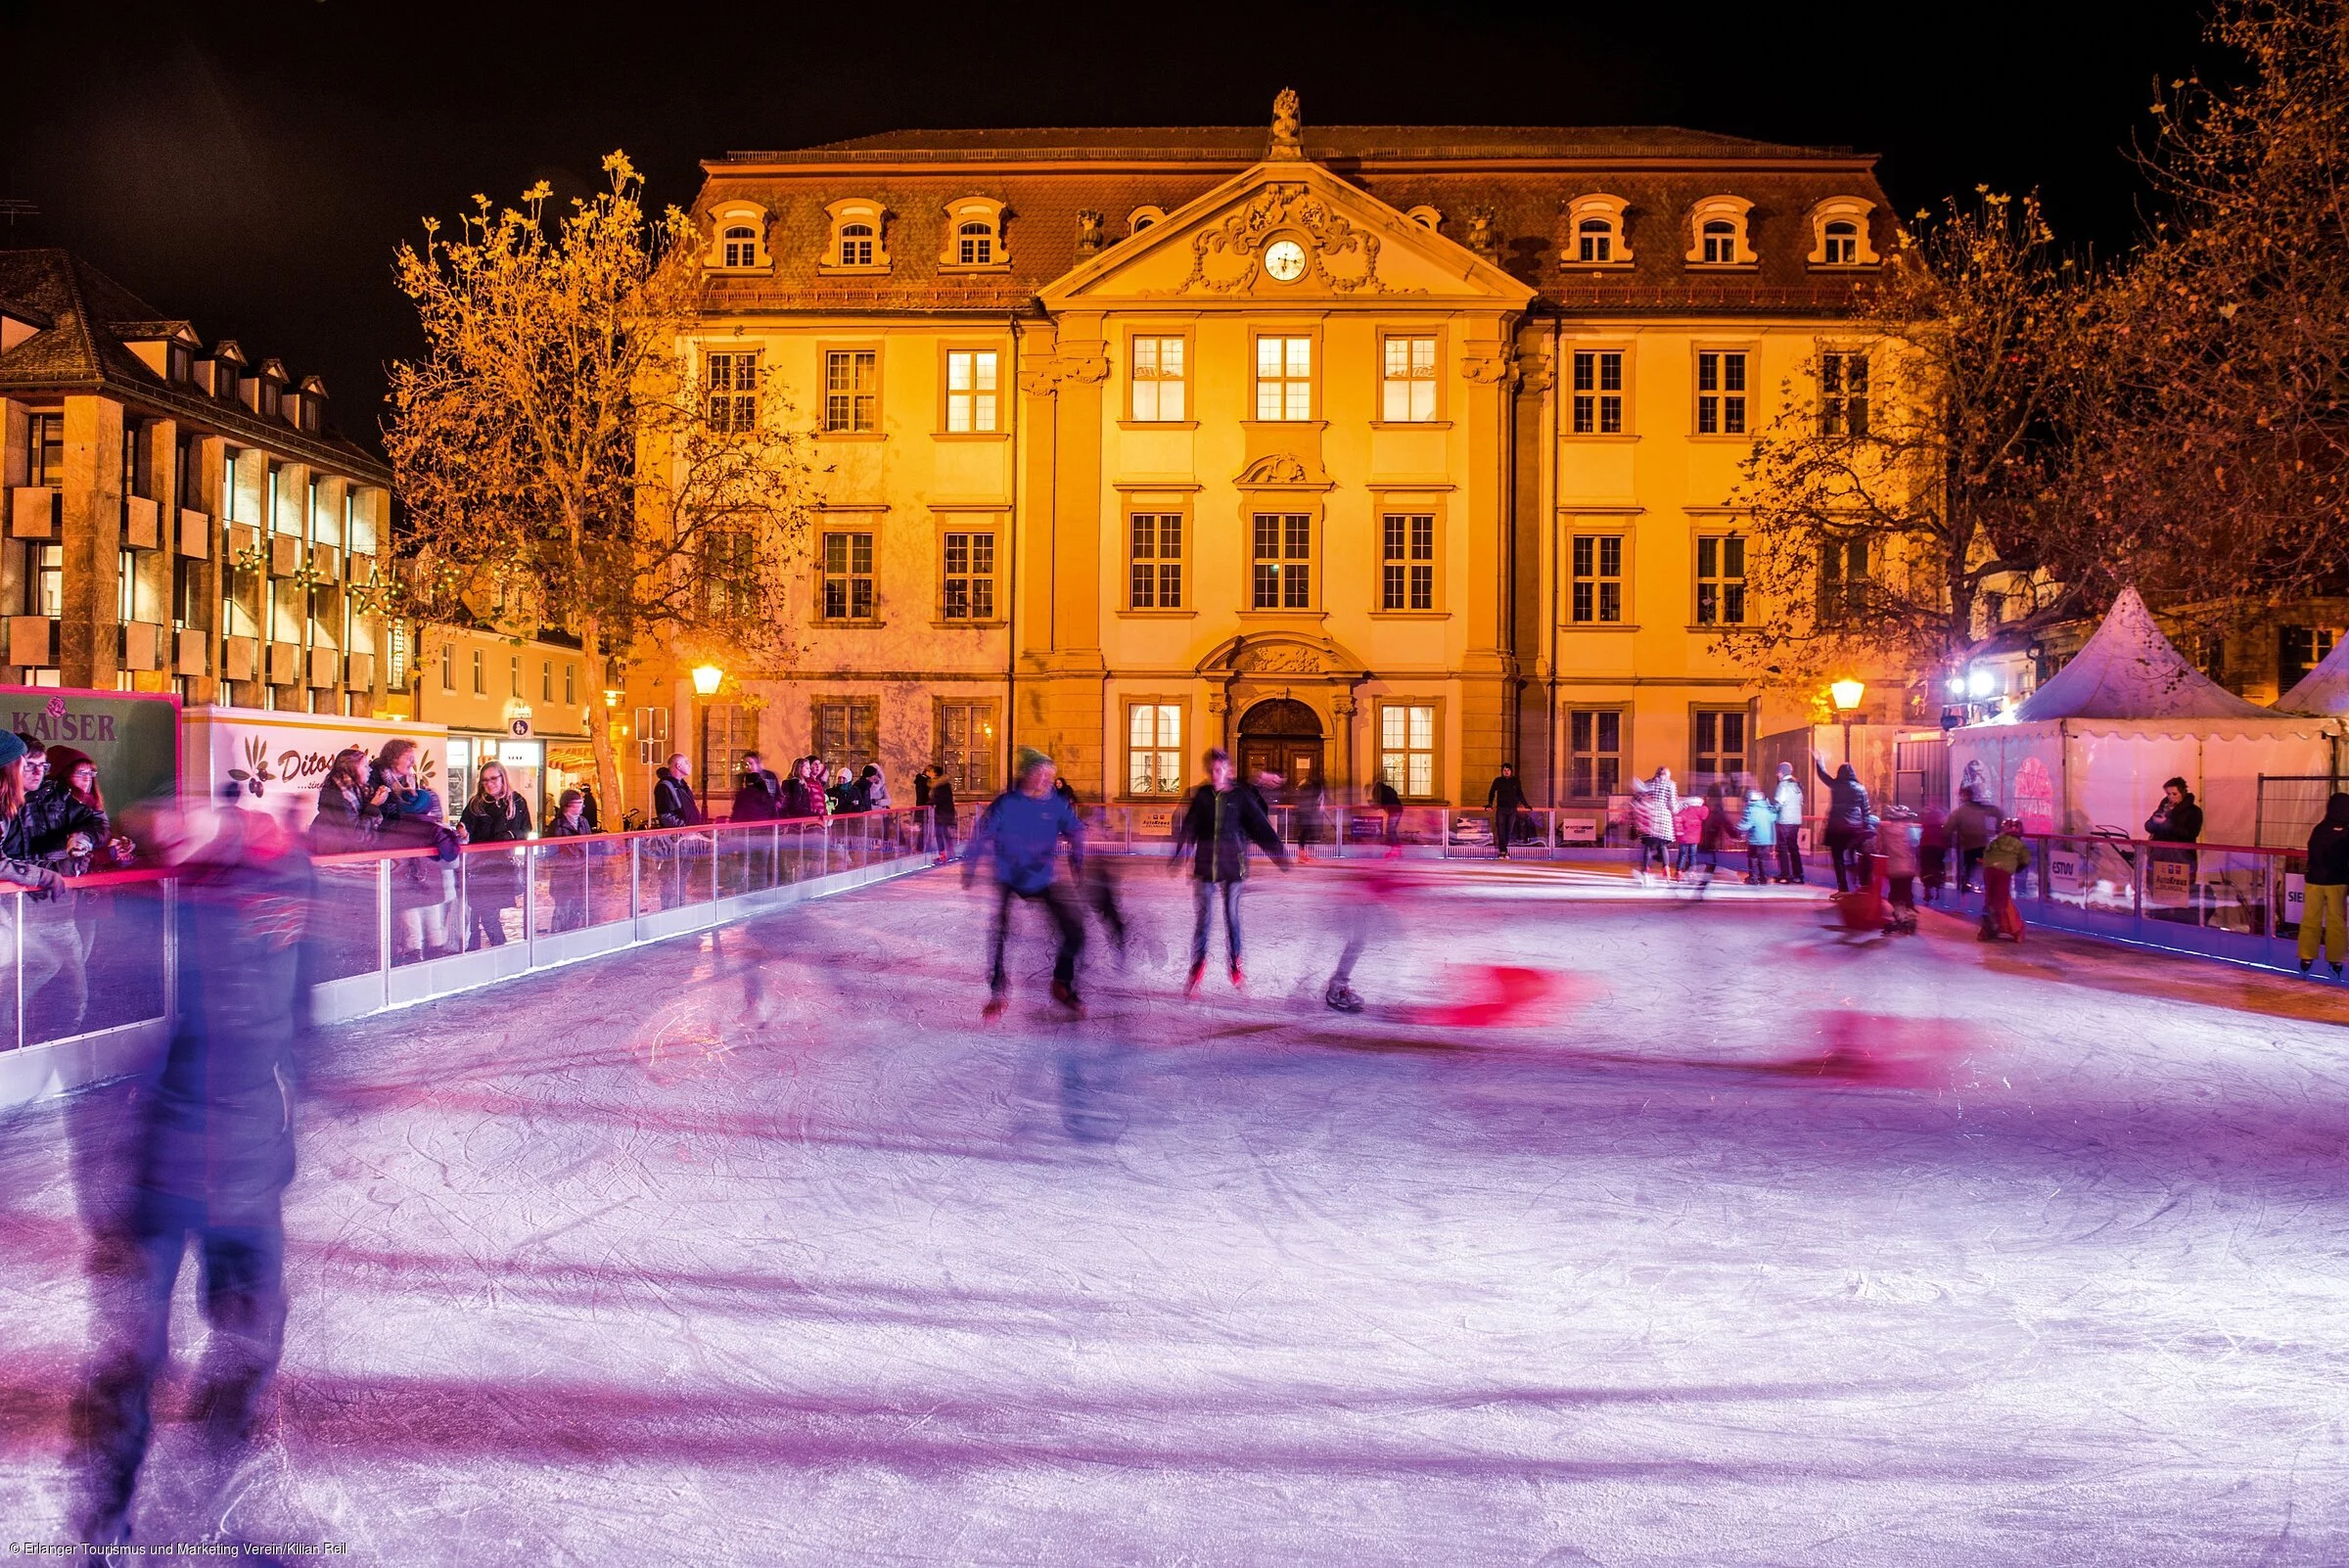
<point x="942" y="815"/>
<point x="567" y="867"/>
<point x="347" y="818"/>
<point x="673" y="804"/>
<point x="1505" y="798"/>
<point x="921" y="799"/>
<point x="1846" y="820"/>
<point x="2325" y="915"/>
<point x="757" y="794"/>
<point x="1021" y="833"/>
<point x="67" y="828"/>
<point x="212" y="1153"/>
<point x="1384" y="799"/>
<point x="2176" y="819"/>
<point x="1223" y="817"/>
<point x="492" y="880"/>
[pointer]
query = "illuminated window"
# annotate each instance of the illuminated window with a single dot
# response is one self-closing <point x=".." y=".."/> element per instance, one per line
<point x="1593" y="753"/>
<point x="1157" y="380"/>
<point x="1595" y="587"/>
<point x="1284" y="378"/>
<point x="852" y="391"/>
<point x="1155" y="581"/>
<point x="969" y="577"/>
<point x="1598" y="391"/>
<point x="47" y="448"/>
<point x="1283" y="562"/>
<point x="971" y="389"/>
<point x="1407" y="563"/>
<point x="734" y="391"/>
<point x="847" y="576"/>
<point x="1720" y="580"/>
<point x="1407" y="749"/>
<point x="1153" y="748"/>
<point x="1410" y="381"/>
<point x="966" y="747"/>
<point x="1719" y="752"/>
<point x="1721" y="393"/>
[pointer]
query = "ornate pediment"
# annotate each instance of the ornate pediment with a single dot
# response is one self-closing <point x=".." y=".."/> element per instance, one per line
<point x="1276" y="468"/>
<point x="1339" y="255"/>
<point x="1290" y="654"/>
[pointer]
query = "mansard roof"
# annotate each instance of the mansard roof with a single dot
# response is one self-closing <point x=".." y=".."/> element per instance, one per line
<point x="1327" y="144"/>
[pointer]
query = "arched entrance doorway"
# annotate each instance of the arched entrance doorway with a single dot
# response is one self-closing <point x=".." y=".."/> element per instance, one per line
<point x="1281" y="735"/>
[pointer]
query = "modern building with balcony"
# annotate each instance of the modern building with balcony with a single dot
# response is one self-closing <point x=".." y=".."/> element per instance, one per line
<point x="177" y="517"/>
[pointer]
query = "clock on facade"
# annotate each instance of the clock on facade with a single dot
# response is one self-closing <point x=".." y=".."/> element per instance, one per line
<point x="1285" y="260"/>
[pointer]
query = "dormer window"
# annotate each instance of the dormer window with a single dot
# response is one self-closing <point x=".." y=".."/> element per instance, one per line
<point x="180" y="362"/>
<point x="739" y="243"/>
<point x="1595" y="233"/>
<point x="975" y="235"/>
<point x="1718" y="233"/>
<point x="1839" y="233"/>
<point x="1427" y="217"/>
<point x="1141" y="217"/>
<point x="858" y="243"/>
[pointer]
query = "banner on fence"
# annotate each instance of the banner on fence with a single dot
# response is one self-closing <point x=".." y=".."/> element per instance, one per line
<point x="1580" y="827"/>
<point x="2295" y="896"/>
<point x="128" y="734"/>
<point x="2065" y="867"/>
<point x="275" y="761"/>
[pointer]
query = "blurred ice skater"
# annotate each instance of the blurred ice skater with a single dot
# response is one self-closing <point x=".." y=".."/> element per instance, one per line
<point x="212" y="1152"/>
<point x="1370" y="899"/>
<point x="1021" y="832"/>
<point x="1225" y="815"/>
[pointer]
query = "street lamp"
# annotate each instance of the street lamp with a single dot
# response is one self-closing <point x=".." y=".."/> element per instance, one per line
<point x="1847" y="695"/>
<point x="705" y="678"/>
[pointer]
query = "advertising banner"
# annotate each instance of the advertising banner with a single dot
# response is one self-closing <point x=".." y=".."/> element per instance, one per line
<point x="1580" y="827"/>
<point x="275" y="761"/>
<point x="130" y="735"/>
<point x="2295" y="896"/>
<point x="2065" y="867"/>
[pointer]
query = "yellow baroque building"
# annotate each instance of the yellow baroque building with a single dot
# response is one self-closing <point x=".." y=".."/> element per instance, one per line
<point x="1360" y="449"/>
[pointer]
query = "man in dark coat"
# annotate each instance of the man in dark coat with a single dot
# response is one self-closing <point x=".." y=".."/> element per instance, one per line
<point x="1223" y="817"/>
<point x="941" y="814"/>
<point x="758" y="795"/>
<point x="1846" y="821"/>
<point x="214" y="1150"/>
<point x="673" y="804"/>
<point x="1022" y="832"/>
<point x="1505" y="798"/>
<point x="1383" y="798"/>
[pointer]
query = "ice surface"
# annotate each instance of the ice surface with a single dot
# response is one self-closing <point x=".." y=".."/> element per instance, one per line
<point x="1743" y="1246"/>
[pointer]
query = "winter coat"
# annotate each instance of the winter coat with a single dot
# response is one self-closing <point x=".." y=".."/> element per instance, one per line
<point x="1217" y="829"/>
<point x="559" y="827"/>
<point x="345" y="822"/>
<point x="1786" y="804"/>
<point x="673" y="804"/>
<point x="2006" y="853"/>
<point x="921" y="789"/>
<point x="799" y="798"/>
<point x="1383" y="795"/>
<point x="410" y="819"/>
<point x="1688" y="821"/>
<point x="1897" y="843"/>
<point x="486" y="822"/>
<point x="18" y="863"/>
<point x="1719" y="828"/>
<point x="1932" y="833"/>
<point x="942" y="803"/>
<point x="2328" y="855"/>
<point x="1847" y="802"/>
<point x="1971" y="824"/>
<point x="1022" y="835"/>
<point x="756" y="798"/>
<point x="2175" y="824"/>
<point x="52" y="815"/>
<point x="876" y="792"/>
<point x="1654" y="802"/>
<point x="1761" y="822"/>
<point x="1506" y="794"/>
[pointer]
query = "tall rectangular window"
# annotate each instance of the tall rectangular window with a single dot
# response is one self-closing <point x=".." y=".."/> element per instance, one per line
<point x="1409" y="383"/>
<point x="1284" y="378"/>
<point x="1720" y="580"/>
<point x="652" y="736"/>
<point x="1721" y="393"/>
<point x="1842" y="395"/>
<point x="847" y="576"/>
<point x="971" y="391"/>
<point x="46" y="594"/>
<point x="1593" y="753"/>
<point x="448" y="666"/>
<point x="1408" y="562"/>
<point x="1843" y="579"/>
<point x="46" y="450"/>
<point x="1720" y="751"/>
<point x="546" y="681"/>
<point x="570" y="684"/>
<point x="734" y="391"/>
<point x="1598" y="391"/>
<point x="1595" y="596"/>
<point x="966" y="747"/>
<point x="513" y="675"/>
<point x="848" y="732"/>
<point x="852" y="391"/>
<point x="1407" y="748"/>
<point x="969" y="577"/>
<point x="481" y="684"/>
<point x="1283" y="562"/>
<point x="1155" y="566"/>
<point x="1153" y="748"/>
<point x="1157" y="381"/>
<point x="2299" y="650"/>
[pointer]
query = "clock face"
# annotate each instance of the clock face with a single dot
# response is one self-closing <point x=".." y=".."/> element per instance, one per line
<point x="1285" y="260"/>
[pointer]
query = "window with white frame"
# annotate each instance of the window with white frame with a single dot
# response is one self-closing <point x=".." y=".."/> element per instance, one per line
<point x="1595" y="585"/>
<point x="1718" y="231"/>
<point x="1407" y="748"/>
<point x="969" y="556"/>
<point x="1155" y="561"/>
<point x="1720" y="580"/>
<point x="1141" y="217"/>
<point x="1410" y="381"/>
<point x="652" y="736"/>
<point x="1721" y="391"/>
<point x="1842" y="245"/>
<point x="741" y="245"/>
<point x="970" y="402"/>
<point x="1598" y="391"/>
<point x="1153" y="748"/>
<point x="853" y="391"/>
<point x="1283" y="570"/>
<point x="1594" y="232"/>
<point x="1157" y="381"/>
<point x="1839" y="233"/>
<point x="1408" y="562"/>
<point x="739" y="237"/>
<point x="1719" y="241"/>
<point x="855" y="241"/>
<point x="975" y="245"/>
<point x="974" y="234"/>
<point x="1842" y="392"/>
<point x="855" y="245"/>
<point x="733" y="387"/>
<point x="1844" y="580"/>
<point x="1284" y="378"/>
<point x="1593" y="753"/>
<point x="847" y="576"/>
<point x="1718" y="756"/>
<point x="1594" y="239"/>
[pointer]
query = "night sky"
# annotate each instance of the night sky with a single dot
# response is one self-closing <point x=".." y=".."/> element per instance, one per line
<point x="251" y="164"/>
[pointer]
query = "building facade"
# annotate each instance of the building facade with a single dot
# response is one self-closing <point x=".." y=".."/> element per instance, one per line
<point x="177" y="519"/>
<point x="1358" y="450"/>
<point x="521" y="701"/>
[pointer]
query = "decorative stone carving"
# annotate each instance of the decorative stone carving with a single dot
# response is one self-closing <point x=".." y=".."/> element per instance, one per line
<point x="1484" y="235"/>
<point x="1489" y="364"/>
<point x="1286" y="142"/>
<point x="1276" y="468"/>
<point x="1278" y="659"/>
<point x="1088" y="233"/>
<point x="1043" y="376"/>
<point x="1293" y="210"/>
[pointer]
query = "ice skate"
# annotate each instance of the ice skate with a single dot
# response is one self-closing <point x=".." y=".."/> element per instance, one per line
<point x="1190" y="986"/>
<point x="1237" y="977"/>
<point x="996" y="1001"/>
<point x="1342" y="998"/>
<point x="1066" y="995"/>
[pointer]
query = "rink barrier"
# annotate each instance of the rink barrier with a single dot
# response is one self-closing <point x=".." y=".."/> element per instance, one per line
<point x="1370" y="832"/>
<point x="553" y="902"/>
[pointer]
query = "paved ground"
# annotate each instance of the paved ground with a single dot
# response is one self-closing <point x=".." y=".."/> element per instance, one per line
<point x="1718" y="1241"/>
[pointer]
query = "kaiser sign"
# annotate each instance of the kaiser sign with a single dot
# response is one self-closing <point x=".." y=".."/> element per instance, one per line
<point x="275" y="761"/>
<point x="127" y="734"/>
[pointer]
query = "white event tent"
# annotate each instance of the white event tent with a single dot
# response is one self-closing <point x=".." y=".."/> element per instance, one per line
<point x="2089" y="750"/>
<point x="2323" y="690"/>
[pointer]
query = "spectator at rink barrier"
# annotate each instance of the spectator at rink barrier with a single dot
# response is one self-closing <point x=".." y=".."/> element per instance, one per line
<point x="1760" y="837"/>
<point x="422" y="887"/>
<point x="1021" y="833"/>
<point x="1896" y="841"/>
<point x="567" y="867"/>
<point x="348" y="814"/>
<point x="69" y="833"/>
<point x="1504" y="798"/>
<point x="1223" y="817"/>
<point x="493" y="882"/>
<point x="943" y="814"/>
<point x="1786" y="810"/>
<point x="1845" y="820"/>
<point x="1687" y="832"/>
<point x="758" y="795"/>
<point x="2325" y="891"/>
<point x="674" y="803"/>
<point x="797" y="797"/>
<point x="1383" y="798"/>
<point x="43" y="944"/>
<point x="214" y="1150"/>
<point x="2176" y="819"/>
<point x="1932" y="850"/>
<point x="2002" y="858"/>
<point x="1970" y="827"/>
<point x="872" y="788"/>
<point x="921" y="803"/>
<point x="1655" y="803"/>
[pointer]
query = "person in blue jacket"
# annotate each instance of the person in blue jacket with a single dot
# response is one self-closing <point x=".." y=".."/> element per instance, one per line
<point x="1020" y="834"/>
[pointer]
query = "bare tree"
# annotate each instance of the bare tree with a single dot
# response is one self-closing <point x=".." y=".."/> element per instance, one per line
<point x="566" y="453"/>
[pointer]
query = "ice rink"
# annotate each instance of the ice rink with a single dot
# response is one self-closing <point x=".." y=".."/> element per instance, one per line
<point x="1724" y="1241"/>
